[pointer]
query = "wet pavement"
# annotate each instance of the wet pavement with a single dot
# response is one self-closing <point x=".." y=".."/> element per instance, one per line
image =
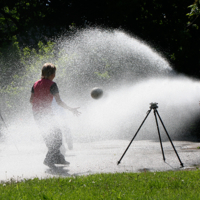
<point x="26" y="161"/>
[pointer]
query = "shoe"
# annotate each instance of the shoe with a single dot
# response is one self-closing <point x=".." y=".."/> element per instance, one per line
<point x="64" y="162"/>
<point x="49" y="164"/>
<point x="61" y="160"/>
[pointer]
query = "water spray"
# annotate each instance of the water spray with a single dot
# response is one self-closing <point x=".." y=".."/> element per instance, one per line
<point x="7" y="128"/>
<point x="131" y="74"/>
<point x="154" y="106"/>
<point x="3" y="120"/>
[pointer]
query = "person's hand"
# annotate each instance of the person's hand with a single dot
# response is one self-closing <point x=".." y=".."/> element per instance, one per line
<point x="75" y="111"/>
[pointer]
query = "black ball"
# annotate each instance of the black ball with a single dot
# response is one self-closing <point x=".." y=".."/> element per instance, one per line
<point x="96" y="93"/>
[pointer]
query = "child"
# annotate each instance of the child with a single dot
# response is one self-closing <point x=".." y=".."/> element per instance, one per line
<point x="41" y="99"/>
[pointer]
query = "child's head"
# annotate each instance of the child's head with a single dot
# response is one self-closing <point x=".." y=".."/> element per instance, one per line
<point x="48" y="69"/>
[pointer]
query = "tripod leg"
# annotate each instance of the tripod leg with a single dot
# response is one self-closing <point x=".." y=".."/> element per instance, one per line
<point x="169" y="139"/>
<point x="148" y="112"/>
<point x="3" y="120"/>
<point x="159" y="135"/>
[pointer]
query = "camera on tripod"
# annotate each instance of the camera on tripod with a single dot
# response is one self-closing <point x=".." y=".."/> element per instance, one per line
<point x="153" y="105"/>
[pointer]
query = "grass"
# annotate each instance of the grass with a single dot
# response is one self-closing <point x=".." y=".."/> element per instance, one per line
<point x="145" y="185"/>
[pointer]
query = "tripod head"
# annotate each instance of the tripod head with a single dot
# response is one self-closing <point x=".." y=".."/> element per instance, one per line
<point x="153" y="106"/>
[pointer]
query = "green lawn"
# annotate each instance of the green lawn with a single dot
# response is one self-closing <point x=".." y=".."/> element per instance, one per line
<point x="145" y="185"/>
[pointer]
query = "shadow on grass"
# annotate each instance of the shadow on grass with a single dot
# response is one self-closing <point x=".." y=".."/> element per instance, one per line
<point x="61" y="171"/>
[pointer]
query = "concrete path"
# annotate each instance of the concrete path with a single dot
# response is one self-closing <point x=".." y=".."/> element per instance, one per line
<point x="26" y="160"/>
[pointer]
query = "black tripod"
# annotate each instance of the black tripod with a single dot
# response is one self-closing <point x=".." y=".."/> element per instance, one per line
<point x="154" y="106"/>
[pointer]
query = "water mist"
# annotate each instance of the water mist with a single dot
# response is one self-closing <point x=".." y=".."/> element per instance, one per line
<point x="131" y="74"/>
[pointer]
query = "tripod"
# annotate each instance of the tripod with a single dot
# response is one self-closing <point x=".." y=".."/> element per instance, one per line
<point x="153" y="106"/>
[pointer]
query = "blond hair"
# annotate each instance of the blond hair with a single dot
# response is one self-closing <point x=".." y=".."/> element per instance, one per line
<point x="48" y="69"/>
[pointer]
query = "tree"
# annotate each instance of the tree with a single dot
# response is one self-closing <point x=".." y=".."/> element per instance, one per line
<point x="194" y="13"/>
<point x="164" y="24"/>
<point x="18" y="16"/>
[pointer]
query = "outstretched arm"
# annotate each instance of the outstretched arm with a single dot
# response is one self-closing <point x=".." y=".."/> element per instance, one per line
<point x="65" y="106"/>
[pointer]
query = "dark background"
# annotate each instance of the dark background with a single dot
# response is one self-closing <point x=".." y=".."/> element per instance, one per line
<point x="163" y="24"/>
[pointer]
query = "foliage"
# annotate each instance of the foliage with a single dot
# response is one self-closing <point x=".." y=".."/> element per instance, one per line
<point x="145" y="185"/>
<point x="194" y="13"/>
<point x="16" y="16"/>
<point x="8" y="67"/>
<point x="164" y="24"/>
<point x="20" y="68"/>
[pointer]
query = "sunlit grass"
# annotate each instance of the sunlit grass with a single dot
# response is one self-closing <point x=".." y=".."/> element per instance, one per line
<point x="145" y="185"/>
